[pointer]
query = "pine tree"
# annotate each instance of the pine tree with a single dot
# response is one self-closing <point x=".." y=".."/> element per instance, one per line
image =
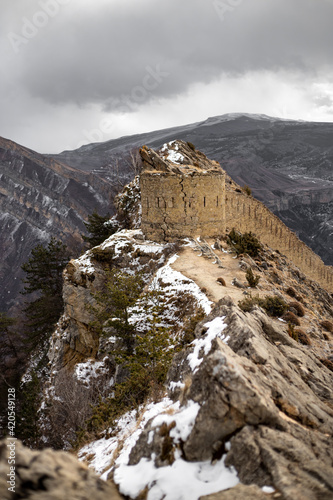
<point x="147" y="361"/>
<point x="29" y="399"/>
<point x="10" y="348"/>
<point x="100" y="228"/>
<point x="44" y="279"/>
<point x="121" y="292"/>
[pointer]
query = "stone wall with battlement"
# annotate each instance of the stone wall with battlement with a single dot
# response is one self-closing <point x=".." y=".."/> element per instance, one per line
<point x="184" y="194"/>
<point x="245" y="214"/>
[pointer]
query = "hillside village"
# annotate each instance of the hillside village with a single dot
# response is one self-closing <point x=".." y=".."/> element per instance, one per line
<point x="235" y="346"/>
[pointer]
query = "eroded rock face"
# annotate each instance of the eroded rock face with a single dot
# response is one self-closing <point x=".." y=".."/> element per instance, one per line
<point x="74" y="341"/>
<point x="50" y="475"/>
<point x="261" y="392"/>
<point x="40" y="198"/>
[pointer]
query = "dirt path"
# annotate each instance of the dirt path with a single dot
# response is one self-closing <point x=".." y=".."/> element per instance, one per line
<point x="205" y="273"/>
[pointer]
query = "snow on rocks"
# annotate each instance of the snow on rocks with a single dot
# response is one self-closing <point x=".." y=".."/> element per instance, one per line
<point x="103" y="451"/>
<point x="183" y="421"/>
<point x="180" y="481"/>
<point x="90" y="369"/>
<point x="121" y="239"/>
<point x="174" y="281"/>
<point x="215" y="329"/>
<point x="172" y="152"/>
<point x="84" y="263"/>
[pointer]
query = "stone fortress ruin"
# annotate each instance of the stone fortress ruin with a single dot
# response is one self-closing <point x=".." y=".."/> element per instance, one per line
<point x="184" y="194"/>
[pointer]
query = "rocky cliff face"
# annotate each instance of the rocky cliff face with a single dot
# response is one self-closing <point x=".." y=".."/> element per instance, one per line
<point x="248" y="409"/>
<point x="40" y="198"/>
<point x="250" y="396"/>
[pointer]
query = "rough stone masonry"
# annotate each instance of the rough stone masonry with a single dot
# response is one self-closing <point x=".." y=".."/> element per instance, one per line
<point x="184" y="194"/>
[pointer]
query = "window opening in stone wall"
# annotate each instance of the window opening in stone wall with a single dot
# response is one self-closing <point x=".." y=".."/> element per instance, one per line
<point x="217" y="201"/>
<point x="204" y="201"/>
<point x="147" y="202"/>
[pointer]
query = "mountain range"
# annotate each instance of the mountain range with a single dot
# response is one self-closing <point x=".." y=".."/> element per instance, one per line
<point x="41" y="197"/>
<point x="288" y="165"/>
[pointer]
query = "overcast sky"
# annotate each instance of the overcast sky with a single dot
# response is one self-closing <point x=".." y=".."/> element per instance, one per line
<point x="81" y="71"/>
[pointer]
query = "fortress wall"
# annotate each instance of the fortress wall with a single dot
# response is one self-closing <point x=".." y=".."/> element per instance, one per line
<point x="178" y="204"/>
<point x="175" y="205"/>
<point x="248" y="214"/>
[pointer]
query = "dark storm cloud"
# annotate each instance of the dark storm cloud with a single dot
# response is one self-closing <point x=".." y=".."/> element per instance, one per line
<point x="123" y="53"/>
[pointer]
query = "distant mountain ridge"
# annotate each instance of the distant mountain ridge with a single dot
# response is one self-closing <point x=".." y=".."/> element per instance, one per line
<point x="288" y="165"/>
<point x="40" y="197"/>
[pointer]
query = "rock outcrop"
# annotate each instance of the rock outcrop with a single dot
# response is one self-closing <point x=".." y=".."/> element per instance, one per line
<point x="74" y="341"/>
<point x="264" y="403"/>
<point x="49" y="475"/>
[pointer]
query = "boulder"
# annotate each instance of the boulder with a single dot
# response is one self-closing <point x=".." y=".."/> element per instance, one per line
<point x="50" y="475"/>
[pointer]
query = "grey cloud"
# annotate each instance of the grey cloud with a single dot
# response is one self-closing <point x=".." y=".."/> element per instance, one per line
<point x="324" y="101"/>
<point x="105" y="54"/>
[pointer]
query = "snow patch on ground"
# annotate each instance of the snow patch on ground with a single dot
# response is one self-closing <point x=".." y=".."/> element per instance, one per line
<point x="90" y="369"/>
<point x="174" y="281"/>
<point x="215" y="329"/>
<point x="180" y="481"/>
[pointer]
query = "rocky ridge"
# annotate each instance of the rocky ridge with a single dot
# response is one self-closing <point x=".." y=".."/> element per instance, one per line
<point x="247" y="410"/>
<point x="262" y="400"/>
